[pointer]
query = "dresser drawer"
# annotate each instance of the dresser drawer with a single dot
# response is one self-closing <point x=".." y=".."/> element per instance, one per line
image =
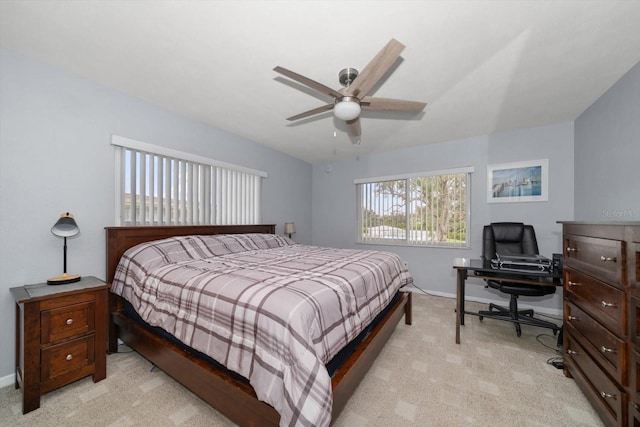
<point x="607" y="397"/>
<point x="601" y="301"/>
<point x="635" y="377"/>
<point x="607" y="349"/>
<point x="634" y="312"/>
<point x="634" y="391"/>
<point x="604" y="259"/>
<point x="67" y="357"/>
<point x="66" y="322"/>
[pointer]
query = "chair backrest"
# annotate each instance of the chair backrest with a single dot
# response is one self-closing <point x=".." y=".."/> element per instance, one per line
<point x="508" y="238"/>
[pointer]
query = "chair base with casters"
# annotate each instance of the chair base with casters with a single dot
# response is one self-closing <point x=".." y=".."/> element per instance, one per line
<point x="518" y="317"/>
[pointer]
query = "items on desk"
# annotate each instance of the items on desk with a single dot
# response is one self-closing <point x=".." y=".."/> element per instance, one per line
<point x="524" y="263"/>
<point x="556" y="263"/>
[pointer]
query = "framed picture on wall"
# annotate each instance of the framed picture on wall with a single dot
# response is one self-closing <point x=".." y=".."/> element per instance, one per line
<point x="526" y="181"/>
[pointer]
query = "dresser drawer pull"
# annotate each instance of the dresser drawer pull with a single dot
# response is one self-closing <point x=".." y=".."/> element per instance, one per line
<point x="570" y="249"/>
<point x="608" y="258"/>
<point x="573" y="318"/>
<point x="571" y="352"/>
<point x="570" y="283"/>
<point x="69" y="356"/>
<point x="607" y="395"/>
<point x="607" y="350"/>
<point x="608" y="304"/>
<point x="69" y="321"/>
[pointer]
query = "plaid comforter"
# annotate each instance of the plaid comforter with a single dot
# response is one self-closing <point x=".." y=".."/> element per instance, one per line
<point x="270" y="309"/>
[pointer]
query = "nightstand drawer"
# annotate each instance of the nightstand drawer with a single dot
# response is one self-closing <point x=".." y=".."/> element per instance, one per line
<point x="67" y="322"/>
<point x="67" y="357"/>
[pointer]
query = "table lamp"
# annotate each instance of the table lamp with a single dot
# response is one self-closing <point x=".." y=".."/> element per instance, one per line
<point x="65" y="227"/>
<point x="289" y="228"/>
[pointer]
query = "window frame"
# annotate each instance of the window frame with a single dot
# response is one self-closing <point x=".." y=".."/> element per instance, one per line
<point x="406" y="240"/>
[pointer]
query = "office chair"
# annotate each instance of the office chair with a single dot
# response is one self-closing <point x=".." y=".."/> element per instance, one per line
<point x="513" y="238"/>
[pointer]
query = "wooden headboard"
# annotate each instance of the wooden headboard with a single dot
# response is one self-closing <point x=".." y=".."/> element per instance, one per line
<point x="119" y="239"/>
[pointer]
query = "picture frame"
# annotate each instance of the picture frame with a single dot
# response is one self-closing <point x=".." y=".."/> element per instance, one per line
<point x="526" y="181"/>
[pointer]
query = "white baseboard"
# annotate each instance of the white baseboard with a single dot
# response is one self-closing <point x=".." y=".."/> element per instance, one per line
<point x="8" y="380"/>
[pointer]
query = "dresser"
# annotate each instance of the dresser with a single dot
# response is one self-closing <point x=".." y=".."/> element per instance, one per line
<point x="601" y="313"/>
<point x="61" y="335"/>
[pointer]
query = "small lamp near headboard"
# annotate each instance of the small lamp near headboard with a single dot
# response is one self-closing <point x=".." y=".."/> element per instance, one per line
<point x="289" y="228"/>
<point x="65" y="227"/>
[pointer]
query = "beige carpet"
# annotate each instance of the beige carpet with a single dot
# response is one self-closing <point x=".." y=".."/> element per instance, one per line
<point x="421" y="378"/>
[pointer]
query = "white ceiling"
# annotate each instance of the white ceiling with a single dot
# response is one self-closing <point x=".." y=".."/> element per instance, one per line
<point x="482" y="66"/>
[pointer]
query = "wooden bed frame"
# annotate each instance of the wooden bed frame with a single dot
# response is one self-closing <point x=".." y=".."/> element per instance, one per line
<point x="232" y="397"/>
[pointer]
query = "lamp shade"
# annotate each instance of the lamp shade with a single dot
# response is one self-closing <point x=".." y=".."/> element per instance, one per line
<point x="289" y="228"/>
<point x="346" y="109"/>
<point x="65" y="226"/>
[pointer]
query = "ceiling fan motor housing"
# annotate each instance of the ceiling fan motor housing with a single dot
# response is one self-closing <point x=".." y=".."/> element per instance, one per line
<point x="347" y="76"/>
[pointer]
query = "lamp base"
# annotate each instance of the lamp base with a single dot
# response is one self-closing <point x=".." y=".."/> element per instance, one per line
<point x="64" y="279"/>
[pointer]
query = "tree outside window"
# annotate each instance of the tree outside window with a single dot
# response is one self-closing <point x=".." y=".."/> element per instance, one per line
<point x="422" y="210"/>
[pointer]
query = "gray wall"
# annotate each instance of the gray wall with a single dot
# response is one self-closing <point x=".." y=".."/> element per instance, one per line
<point x="334" y="204"/>
<point x="55" y="156"/>
<point x="607" y="154"/>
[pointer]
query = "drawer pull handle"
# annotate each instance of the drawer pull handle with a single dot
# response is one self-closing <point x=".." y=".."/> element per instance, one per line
<point x="572" y="352"/>
<point x="570" y="249"/>
<point x="573" y="318"/>
<point x="608" y="304"/>
<point x="607" y="350"/>
<point x="69" y="356"/>
<point x="570" y="283"/>
<point x="607" y="395"/>
<point x="608" y="258"/>
<point x="69" y="321"/>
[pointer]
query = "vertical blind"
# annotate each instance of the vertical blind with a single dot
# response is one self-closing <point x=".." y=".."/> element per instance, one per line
<point x="158" y="186"/>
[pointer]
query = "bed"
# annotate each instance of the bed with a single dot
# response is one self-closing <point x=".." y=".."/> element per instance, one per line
<point x="228" y="392"/>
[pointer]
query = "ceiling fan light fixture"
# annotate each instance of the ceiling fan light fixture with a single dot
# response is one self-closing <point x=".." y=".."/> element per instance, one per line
<point x="346" y="109"/>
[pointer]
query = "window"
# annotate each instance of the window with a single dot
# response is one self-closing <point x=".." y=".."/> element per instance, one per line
<point x="427" y="209"/>
<point x="159" y="186"/>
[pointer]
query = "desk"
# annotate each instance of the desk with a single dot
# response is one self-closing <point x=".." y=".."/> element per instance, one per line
<point x="482" y="270"/>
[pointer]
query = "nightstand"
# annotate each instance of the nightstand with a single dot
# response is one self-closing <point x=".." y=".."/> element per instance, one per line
<point x="61" y="336"/>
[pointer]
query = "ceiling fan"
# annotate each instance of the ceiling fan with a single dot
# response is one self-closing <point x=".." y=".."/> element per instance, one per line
<point x="350" y="100"/>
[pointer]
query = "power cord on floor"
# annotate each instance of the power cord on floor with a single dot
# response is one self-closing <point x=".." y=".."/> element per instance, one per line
<point x="556" y="362"/>
<point x="413" y="285"/>
<point x="554" y="337"/>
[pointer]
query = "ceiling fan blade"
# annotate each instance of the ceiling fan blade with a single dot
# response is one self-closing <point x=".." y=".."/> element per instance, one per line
<point x="371" y="103"/>
<point x="353" y="127"/>
<point x="318" y="110"/>
<point x="378" y="66"/>
<point x="308" y="82"/>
